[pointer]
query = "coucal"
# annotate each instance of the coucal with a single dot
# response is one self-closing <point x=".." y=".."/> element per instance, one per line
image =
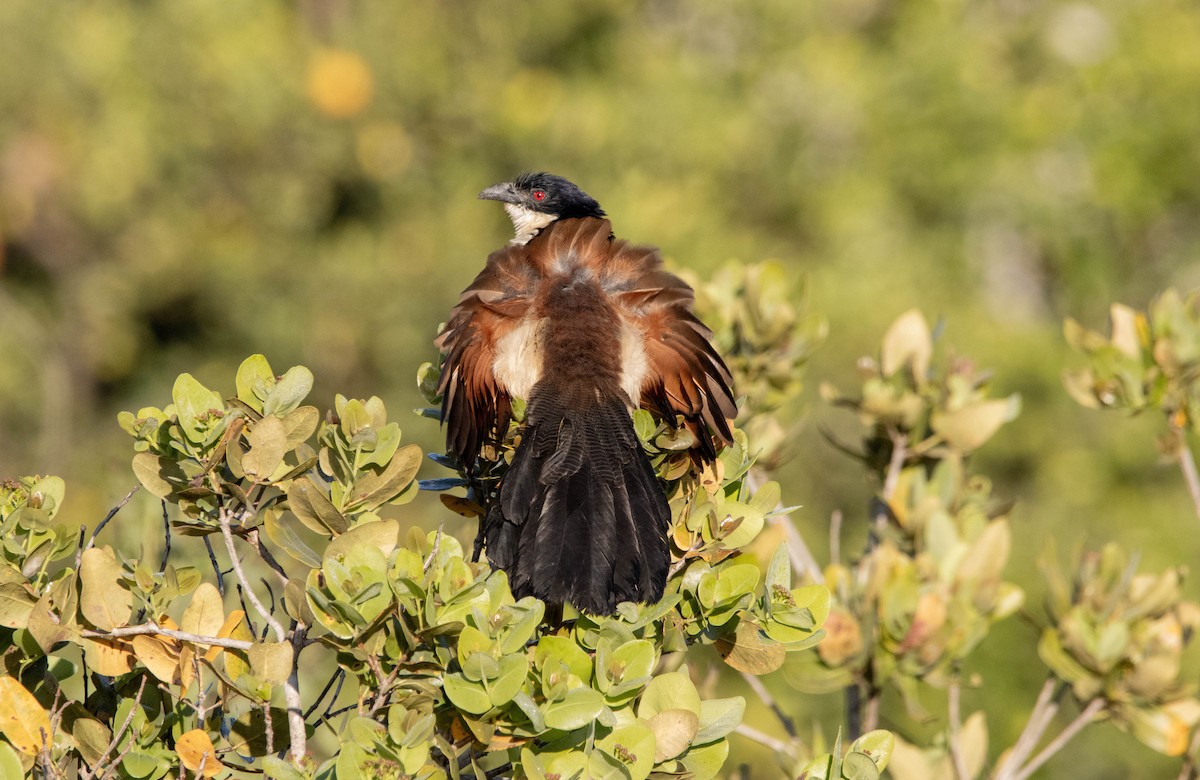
<point x="584" y="328"/>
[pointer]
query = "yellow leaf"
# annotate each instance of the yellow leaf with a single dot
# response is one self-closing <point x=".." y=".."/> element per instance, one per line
<point x="197" y="753"/>
<point x="160" y="656"/>
<point x="23" y="722"/>
<point x="108" y="657"/>
<point x="103" y="601"/>
<point x="228" y="628"/>
<point x="205" y="614"/>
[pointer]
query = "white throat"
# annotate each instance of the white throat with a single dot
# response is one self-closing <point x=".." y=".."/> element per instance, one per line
<point x="527" y="222"/>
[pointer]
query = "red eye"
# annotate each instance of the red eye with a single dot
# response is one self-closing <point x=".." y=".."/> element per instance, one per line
<point x="539" y="195"/>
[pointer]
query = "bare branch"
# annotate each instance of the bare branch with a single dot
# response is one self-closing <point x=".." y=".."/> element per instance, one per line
<point x="223" y="517"/>
<point x="1093" y="709"/>
<point x="291" y="689"/>
<point x="183" y="636"/>
<point x="777" y="745"/>
<point x="1187" y="464"/>
<point x="111" y="514"/>
<point x="765" y="696"/>
<point x="1043" y="712"/>
<point x="116" y="737"/>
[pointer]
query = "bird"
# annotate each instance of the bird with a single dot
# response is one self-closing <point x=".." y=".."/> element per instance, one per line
<point x="584" y="328"/>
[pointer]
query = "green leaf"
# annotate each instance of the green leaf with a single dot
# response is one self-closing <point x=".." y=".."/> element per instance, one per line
<point x="382" y="535"/>
<point x="814" y="598"/>
<point x="103" y="600"/>
<point x="374" y="490"/>
<point x="282" y="534"/>
<point x="468" y="696"/>
<point x="10" y="762"/>
<point x="718" y="718"/>
<point x="632" y="746"/>
<point x="277" y="768"/>
<point x="268" y="441"/>
<point x="879" y="744"/>
<point x="580" y="707"/>
<point x="779" y="573"/>
<point x="672" y="691"/>
<point x="564" y="650"/>
<point x="272" y="661"/>
<point x="193" y="404"/>
<point x="300" y="424"/>
<point x="288" y="392"/>
<point x="735" y="581"/>
<point x="158" y="475"/>
<point x="513" y="671"/>
<point x="705" y="762"/>
<point x="254" y="380"/>
<point x="859" y="766"/>
<point x="968" y="428"/>
<point x="314" y="509"/>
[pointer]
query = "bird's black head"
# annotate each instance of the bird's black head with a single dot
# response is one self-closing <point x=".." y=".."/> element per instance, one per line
<point x="534" y="200"/>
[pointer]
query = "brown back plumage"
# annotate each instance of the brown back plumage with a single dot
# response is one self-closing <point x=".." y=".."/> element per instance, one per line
<point x="685" y="376"/>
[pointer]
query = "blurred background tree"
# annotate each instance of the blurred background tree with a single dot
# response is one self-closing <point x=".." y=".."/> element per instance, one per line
<point x="186" y="183"/>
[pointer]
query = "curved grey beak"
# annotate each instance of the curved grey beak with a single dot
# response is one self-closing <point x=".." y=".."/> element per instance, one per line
<point x="504" y="192"/>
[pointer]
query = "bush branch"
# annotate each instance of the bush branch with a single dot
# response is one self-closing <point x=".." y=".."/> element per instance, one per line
<point x="291" y="689"/>
<point x="1044" y="710"/>
<point x="1066" y="735"/>
<point x="153" y="628"/>
<point x="777" y="745"/>
<point x="1187" y="464"/>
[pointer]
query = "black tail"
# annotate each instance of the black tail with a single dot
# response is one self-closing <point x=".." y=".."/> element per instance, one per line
<point x="581" y="516"/>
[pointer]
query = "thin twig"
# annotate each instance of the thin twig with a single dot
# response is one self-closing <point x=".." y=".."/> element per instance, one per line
<point x="1187" y="464"/>
<point x="1066" y="735"/>
<point x="255" y="540"/>
<point x="804" y="564"/>
<point x="954" y="718"/>
<point x="437" y="543"/>
<point x="269" y="726"/>
<point x="183" y="636"/>
<point x="223" y="517"/>
<point x="212" y="557"/>
<point x="765" y="696"/>
<point x="111" y="514"/>
<point x="777" y="745"/>
<point x="201" y="695"/>
<point x="116" y="737"/>
<point x="871" y="711"/>
<point x="162" y="567"/>
<point x="1043" y="711"/>
<point x="291" y="689"/>
<point x="835" y="537"/>
<point x="338" y="675"/>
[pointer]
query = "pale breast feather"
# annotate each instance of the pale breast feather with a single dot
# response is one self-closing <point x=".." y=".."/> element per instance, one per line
<point x="518" y="365"/>
<point x="635" y="364"/>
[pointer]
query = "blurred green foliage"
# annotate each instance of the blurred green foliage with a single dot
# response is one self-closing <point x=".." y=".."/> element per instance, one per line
<point x="185" y="183"/>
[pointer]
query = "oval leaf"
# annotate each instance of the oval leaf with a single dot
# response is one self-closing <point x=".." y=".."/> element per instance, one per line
<point x="23" y="722"/>
<point x="103" y="600"/>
